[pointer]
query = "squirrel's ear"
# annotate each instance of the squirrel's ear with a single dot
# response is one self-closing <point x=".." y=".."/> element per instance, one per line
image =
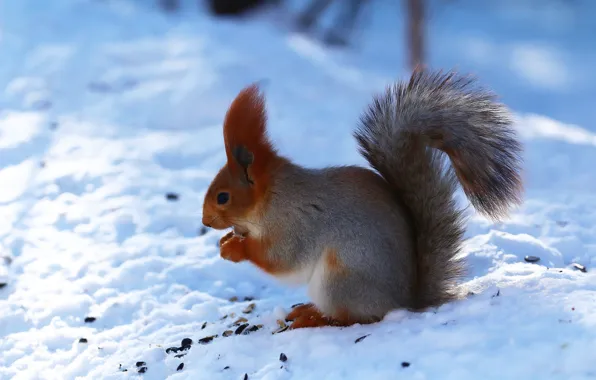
<point x="245" y="135"/>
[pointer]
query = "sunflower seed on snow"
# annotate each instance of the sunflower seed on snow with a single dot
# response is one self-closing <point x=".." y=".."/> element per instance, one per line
<point x="249" y="308"/>
<point x="282" y="326"/>
<point x="241" y="328"/>
<point x="207" y="339"/>
<point x="280" y="330"/>
<point x="239" y="321"/>
<point x="186" y="342"/>
<point x="580" y="267"/>
<point x="251" y="329"/>
<point x="256" y="328"/>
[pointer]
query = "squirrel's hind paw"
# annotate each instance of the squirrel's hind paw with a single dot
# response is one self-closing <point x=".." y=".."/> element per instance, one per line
<point x="308" y="315"/>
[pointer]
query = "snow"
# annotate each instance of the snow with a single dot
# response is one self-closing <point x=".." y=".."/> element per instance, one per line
<point x="108" y="106"/>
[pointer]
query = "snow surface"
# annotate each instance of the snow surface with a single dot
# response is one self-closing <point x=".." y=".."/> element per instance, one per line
<point x="109" y="105"/>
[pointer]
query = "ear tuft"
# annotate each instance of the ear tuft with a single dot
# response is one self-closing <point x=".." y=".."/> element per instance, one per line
<point x="244" y="158"/>
<point x="248" y="148"/>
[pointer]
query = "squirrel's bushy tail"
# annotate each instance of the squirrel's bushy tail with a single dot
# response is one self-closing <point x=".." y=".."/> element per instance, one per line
<point x="403" y="134"/>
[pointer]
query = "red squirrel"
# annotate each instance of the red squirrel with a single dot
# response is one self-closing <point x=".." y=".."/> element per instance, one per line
<point x="369" y="241"/>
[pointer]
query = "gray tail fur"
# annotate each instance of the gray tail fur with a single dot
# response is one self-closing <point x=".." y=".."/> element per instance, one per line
<point x="405" y="134"/>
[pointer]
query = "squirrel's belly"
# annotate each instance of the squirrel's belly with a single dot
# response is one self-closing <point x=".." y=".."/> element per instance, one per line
<point x="316" y="286"/>
<point x="299" y="276"/>
<point x="314" y="276"/>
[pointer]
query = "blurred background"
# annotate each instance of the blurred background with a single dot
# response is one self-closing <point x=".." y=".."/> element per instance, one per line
<point x="537" y="54"/>
<point x="176" y="64"/>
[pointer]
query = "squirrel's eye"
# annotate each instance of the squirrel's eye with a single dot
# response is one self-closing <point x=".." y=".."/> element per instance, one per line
<point x="223" y="198"/>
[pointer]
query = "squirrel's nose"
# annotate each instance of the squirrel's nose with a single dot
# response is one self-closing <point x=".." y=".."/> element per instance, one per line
<point x="207" y="221"/>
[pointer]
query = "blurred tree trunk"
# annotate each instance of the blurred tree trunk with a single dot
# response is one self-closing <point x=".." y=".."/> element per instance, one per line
<point x="169" y="5"/>
<point x="415" y="32"/>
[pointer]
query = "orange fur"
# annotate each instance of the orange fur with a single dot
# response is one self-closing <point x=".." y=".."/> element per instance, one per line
<point x="333" y="263"/>
<point x="307" y="315"/>
<point x="251" y="165"/>
<point x="232" y="248"/>
<point x="245" y="125"/>
<point x="227" y="237"/>
<point x="236" y="249"/>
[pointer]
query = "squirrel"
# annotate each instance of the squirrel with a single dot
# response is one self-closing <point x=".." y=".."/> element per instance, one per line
<point x="369" y="241"/>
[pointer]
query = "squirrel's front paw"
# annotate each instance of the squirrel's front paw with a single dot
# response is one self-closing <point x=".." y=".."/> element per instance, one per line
<point x="232" y="248"/>
<point x="225" y="238"/>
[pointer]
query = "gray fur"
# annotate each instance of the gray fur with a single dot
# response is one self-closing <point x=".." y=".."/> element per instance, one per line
<point x="354" y="211"/>
<point x="446" y="112"/>
<point x="397" y="233"/>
